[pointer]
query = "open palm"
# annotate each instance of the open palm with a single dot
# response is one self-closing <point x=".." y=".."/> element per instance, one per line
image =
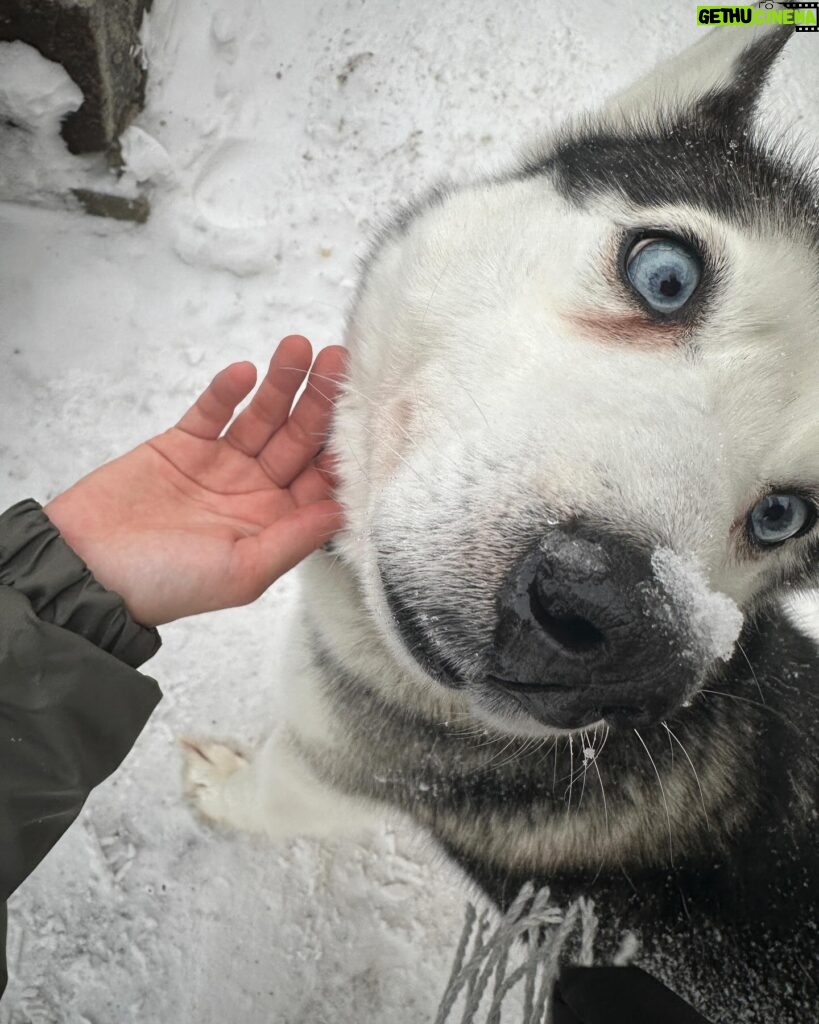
<point x="200" y="517"/>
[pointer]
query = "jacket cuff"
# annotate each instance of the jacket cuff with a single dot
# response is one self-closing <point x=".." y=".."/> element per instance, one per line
<point x="35" y="560"/>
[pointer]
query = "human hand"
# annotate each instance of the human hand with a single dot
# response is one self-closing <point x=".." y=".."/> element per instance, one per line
<point x="192" y="521"/>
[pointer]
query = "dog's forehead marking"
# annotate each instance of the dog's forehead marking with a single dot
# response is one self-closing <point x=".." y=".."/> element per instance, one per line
<point x="734" y="174"/>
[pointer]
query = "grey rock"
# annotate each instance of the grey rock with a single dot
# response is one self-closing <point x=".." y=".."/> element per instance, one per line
<point x="97" y="42"/>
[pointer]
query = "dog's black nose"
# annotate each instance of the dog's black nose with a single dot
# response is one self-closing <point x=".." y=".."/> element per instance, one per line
<point x="568" y="596"/>
<point x="586" y="632"/>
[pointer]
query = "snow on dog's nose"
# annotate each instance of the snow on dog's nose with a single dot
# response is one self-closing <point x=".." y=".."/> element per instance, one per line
<point x="592" y="627"/>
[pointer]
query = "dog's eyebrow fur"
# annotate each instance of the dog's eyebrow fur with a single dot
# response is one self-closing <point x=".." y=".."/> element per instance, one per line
<point x="725" y="170"/>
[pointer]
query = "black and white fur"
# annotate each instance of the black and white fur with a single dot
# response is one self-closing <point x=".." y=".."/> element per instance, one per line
<point x="505" y="386"/>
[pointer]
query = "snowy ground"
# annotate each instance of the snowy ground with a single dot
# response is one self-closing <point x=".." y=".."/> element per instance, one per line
<point x="275" y="137"/>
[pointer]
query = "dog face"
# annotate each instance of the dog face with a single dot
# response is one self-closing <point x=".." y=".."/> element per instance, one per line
<point x="578" y="444"/>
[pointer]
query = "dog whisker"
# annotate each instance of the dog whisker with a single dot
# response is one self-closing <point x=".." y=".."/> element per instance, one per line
<point x="586" y="742"/>
<point x="753" y="673"/>
<point x="490" y="765"/>
<point x="753" y="703"/>
<point x="662" y="791"/>
<point x="672" y="735"/>
<point x="600" y="779"/>
<point x="520" y="754"/>
<point x="571" y="774"/>
<point x="544" y="757"/>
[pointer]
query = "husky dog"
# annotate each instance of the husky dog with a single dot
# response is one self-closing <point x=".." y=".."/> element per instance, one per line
<point x="579" y="453"/>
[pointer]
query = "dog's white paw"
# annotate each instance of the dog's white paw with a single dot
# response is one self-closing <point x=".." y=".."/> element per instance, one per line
<point x="208" y="767"/>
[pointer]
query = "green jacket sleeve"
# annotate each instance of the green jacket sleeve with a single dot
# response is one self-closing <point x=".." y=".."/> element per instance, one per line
<point x="71" y="702"/>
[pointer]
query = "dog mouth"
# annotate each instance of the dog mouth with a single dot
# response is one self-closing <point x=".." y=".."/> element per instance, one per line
<point x="635" y="694"/>
<point x="552" y="706"/>
<point x="557" y="707"/>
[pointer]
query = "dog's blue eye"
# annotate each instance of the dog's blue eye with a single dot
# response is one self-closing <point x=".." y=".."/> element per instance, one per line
<point x="779" y="517"/>
<point x="664" y="271"/>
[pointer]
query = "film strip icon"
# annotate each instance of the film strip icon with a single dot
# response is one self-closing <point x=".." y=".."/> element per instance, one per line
<point x="801" y="7"/>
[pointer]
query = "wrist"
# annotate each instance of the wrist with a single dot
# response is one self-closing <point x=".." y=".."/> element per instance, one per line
<point x="36" y="561"/>
<point x="62" y="516"/>
<point x="80" y="533"/>
<point x="80" y="530"/>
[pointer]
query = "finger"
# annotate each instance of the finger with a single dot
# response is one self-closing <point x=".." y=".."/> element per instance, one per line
<point x="315" y="483"/>
<point x="260" y="560"/>
<point x="212" y="410"/>
<point x="311" y="485"/>
<point x="296" y="444"/>
<point x="270" y="406"/>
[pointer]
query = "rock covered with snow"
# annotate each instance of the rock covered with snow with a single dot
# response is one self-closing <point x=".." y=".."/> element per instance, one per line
<point x="35" y="96"/>
<point x="36" y="167"/>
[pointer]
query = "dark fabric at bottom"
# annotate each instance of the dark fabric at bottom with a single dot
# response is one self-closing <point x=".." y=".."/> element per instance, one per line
<point x="4" y="977"/>
<point x="617" y="995"/>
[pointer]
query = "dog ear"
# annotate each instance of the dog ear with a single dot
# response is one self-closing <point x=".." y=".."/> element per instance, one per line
<point x="719" y="79"/>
